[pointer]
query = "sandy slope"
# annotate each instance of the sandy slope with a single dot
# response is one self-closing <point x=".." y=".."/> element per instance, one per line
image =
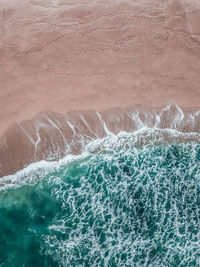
<point x="81" y="55"/>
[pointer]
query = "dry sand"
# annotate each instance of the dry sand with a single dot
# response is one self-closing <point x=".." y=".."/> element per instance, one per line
<point x="63" y="56"/>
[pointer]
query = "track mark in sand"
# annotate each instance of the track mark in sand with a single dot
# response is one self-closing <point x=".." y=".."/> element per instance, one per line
<point x="40" y="48"/>
<point x="144" y="37"/>
<point x="76" y="24"/>
<point x="118" y="49"/>
<point x="37" y="49"/>
<point x="98" y="74"/>
<point x="108" y="14"/>
<point x="129" y="37"/>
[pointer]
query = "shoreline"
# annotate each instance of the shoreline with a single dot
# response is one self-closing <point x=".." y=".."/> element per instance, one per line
<point x="34" y="170"/>
<point x="51" y="136"/>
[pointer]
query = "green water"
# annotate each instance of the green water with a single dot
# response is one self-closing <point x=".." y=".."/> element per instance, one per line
<point x="126" y="207"/>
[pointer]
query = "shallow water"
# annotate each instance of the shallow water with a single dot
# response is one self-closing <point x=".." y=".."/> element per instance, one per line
<point x="125" y="206"/>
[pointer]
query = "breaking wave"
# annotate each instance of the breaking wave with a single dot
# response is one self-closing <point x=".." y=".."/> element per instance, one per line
<point x="129" y="199"/>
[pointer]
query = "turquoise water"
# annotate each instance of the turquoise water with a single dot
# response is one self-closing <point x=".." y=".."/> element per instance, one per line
<point x="121" y="207"/>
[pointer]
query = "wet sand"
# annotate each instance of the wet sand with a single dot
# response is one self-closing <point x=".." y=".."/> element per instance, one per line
<point x="61" y="57"/>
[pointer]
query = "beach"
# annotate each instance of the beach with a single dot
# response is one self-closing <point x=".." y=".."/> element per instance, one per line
<point x="60" y="57"/>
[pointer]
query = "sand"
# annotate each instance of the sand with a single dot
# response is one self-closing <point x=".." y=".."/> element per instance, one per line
<point x="62" y="56"/>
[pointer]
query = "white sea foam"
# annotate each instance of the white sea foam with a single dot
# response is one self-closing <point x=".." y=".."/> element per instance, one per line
<point x="128" y="201"/>
<point x="146" y="133"/>
<point x="105" y="202"/>
<point x="144" y="136"/>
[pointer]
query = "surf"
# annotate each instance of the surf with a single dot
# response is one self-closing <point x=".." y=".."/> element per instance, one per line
<point x="130" y="199"/>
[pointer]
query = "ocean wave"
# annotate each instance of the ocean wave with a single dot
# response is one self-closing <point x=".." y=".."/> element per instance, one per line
<point x="112" y="142"/>
<point x="121" y="206"/>
<point x="127" y="199"/>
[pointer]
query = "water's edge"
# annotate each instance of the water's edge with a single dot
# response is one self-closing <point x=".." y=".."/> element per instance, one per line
<point x="51" y="136"/>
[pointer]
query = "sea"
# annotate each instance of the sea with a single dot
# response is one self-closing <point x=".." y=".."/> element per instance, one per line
<point x="131" y="199"/>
